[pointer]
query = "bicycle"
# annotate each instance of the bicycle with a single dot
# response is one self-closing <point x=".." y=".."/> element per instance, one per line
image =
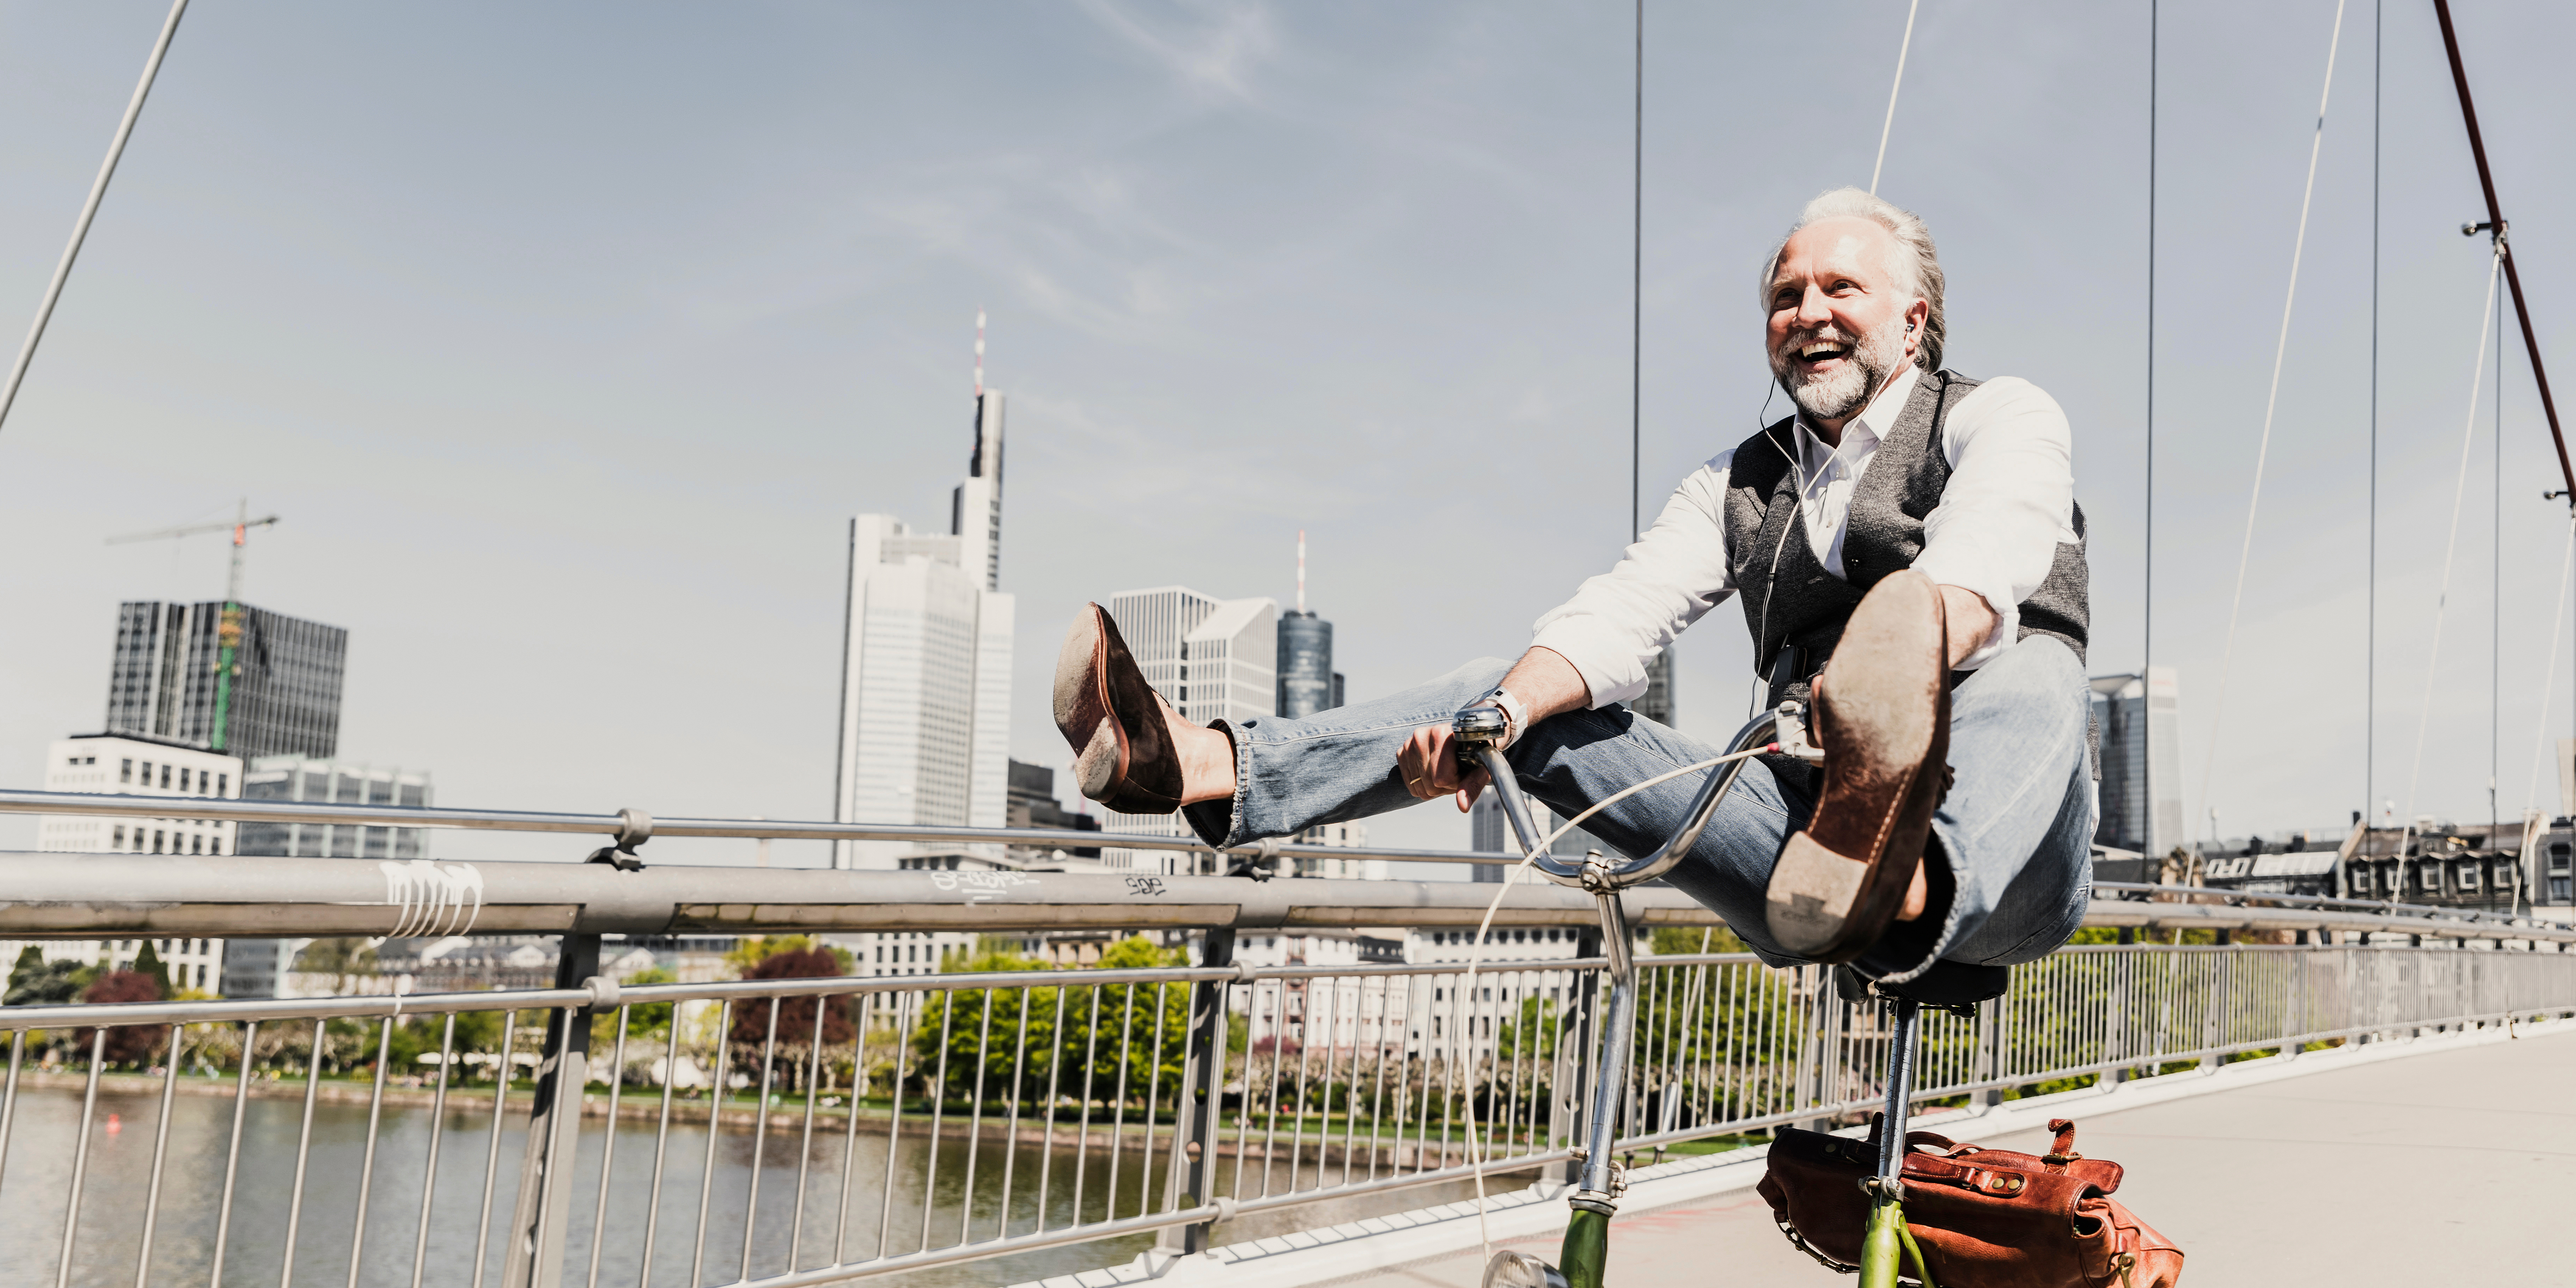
<point x="1583" y="1259"/>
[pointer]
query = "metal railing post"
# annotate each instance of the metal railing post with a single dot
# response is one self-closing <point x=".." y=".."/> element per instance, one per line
<point x="2294" y="1001"/>
<point x="1990" y="1048"/>
<point x="2213" y="1014"/>
<point x="1195" y="1127"/>
<point x="537" y="1235"/>
<point x="1576" y="1101"/>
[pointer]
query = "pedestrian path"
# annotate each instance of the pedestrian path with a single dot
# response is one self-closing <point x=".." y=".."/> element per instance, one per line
<point x="2446" y="1168"/>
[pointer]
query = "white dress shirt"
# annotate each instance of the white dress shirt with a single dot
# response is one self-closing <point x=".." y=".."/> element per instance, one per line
<point x="2009" y="503"/>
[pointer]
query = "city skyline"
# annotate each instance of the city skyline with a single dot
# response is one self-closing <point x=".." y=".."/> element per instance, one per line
<point x="1258" y="269"/>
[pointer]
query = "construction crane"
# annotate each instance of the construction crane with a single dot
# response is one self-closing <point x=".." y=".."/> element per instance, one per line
<point x="228" y="631"/>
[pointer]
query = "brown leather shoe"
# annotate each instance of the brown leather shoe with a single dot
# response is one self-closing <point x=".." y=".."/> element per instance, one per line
<point x="1123" y="755"/>
<point x="1883" y="719"/>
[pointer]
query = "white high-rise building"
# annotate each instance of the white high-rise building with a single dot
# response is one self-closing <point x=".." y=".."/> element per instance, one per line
<point x="1212" y="659"/>
<point x="125" y="766"/>
<point x="926" y="671"/>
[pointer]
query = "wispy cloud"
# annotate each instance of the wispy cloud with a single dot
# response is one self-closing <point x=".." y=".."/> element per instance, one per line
<point x="1214" y="48"/>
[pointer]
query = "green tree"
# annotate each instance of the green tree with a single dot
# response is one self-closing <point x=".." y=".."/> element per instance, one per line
<point x="1085" y="1037"/>
<point x="1676" y="941"/>
<point x="37" y="982"/>
<point x="341" y="959"/>
<point x="148" y="962"/>
<point x="1534" y="1031"/>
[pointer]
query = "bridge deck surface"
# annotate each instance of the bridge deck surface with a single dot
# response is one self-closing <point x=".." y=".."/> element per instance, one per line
<point x="2440" y="1168"/>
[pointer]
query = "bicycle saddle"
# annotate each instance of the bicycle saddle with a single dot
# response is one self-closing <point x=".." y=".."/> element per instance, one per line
<point x="1948" y="983"/>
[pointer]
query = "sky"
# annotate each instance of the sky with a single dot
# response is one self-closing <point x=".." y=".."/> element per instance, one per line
<point x="566" y="339"/>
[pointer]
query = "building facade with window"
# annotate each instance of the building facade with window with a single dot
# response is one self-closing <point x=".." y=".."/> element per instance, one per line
<point x="1212" y="659"/>
<point x="2139" y="719"/>
<point x="137" y="767"/>
<point x="2481" y="866"/>
<point x="335" y="782"/>
<point x="126" y="766"/>
<point x="283" y="696"/>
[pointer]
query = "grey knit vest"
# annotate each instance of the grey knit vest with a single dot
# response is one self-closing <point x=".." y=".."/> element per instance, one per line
<point x="1792" y="603"/>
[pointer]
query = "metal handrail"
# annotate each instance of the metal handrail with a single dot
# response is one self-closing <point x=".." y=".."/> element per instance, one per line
<point x="623" y="823"/>
<point x="154" y="896"/>
<point x="2338" y="902"/>
<point x="230" y="810"/>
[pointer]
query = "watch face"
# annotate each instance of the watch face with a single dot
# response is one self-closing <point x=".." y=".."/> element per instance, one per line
<point x="1521" y="1270"/>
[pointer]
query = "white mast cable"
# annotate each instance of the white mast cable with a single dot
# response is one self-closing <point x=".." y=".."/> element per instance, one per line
<point x="2459" y="494"/>
<point x="89" y="209"/>
<point x="1889" y="125"/>
<point x="2558" y="618"/>
<point x="2533" y="819"/>
<point x="2263" y="449"/>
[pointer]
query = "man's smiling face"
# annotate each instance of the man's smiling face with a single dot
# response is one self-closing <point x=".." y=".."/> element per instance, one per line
<point x="1839" y="317"/>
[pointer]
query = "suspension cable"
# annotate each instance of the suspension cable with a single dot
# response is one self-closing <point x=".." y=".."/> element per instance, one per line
<point x="1889" y="126"/>
<point x="2549" y="680"/>
<point x="89" y="208"/>
<point x="2263" y="448"/>
<point x="2459" y="495"/>
<point x="2370" y="611"/>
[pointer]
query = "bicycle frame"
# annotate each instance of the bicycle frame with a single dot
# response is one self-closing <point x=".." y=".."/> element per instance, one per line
<point x="1583" y="1260"/>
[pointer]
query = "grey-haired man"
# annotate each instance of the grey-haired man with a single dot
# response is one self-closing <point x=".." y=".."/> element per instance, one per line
<point x="1911" y="561"/>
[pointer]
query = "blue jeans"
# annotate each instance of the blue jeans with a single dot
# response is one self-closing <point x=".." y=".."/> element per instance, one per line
<point x="2011" y="871"/>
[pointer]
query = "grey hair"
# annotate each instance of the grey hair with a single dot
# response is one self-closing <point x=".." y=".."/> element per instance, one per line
<point x="1918" y="268"/>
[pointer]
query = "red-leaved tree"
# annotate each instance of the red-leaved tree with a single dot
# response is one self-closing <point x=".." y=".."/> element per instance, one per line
<point x="129" y="1043"/>
<point x="795" y="1014"/>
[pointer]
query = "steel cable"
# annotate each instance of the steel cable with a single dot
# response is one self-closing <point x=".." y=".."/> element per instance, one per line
<point x="2271" y="401"/>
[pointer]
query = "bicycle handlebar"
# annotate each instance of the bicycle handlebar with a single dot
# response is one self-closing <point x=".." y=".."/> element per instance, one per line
<point x="1479" y="731"/>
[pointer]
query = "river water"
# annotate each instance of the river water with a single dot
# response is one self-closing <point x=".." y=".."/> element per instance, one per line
<point x="39" y="1161"/>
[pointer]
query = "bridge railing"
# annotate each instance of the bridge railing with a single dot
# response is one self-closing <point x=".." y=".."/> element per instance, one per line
<point x="783" y="1132"/>
<point x="794" y="1131"/>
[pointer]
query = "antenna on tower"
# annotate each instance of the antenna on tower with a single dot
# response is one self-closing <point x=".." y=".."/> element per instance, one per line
<point x="979" y="355"/>
<point x="1301" y="570"/>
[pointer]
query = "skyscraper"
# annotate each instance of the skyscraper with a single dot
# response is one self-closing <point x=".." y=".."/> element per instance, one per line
<point x="2141" y="727"/>
<point x="283" y="697"/>
<point x="1305" y="664"/>
<point x="1307" y="681"/>
<point x="1212" y="659"/>
<point x="926" y="667"/>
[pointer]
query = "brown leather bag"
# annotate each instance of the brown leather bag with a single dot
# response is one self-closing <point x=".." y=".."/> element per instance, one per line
<point x="1985" y="1218"/>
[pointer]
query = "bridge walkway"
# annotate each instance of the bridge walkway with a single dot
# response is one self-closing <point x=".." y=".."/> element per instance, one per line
<point x="2443" y="1168"/>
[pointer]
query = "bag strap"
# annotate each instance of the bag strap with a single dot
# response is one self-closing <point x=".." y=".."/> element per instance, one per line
<point x="2063" y="1151"/>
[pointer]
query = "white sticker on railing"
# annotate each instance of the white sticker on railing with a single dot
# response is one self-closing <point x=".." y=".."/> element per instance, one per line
<point x="1005" y="880"/>
<point x="435" y="898"/>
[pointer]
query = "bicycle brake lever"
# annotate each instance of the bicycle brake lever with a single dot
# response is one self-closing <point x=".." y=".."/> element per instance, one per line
<point x="1792" y="736"/>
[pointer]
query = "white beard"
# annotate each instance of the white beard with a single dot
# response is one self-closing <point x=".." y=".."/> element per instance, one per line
<point x="1846" y="391"/>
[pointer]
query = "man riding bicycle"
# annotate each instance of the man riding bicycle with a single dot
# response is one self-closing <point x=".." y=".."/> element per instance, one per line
<point x="1911" y="561"/>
